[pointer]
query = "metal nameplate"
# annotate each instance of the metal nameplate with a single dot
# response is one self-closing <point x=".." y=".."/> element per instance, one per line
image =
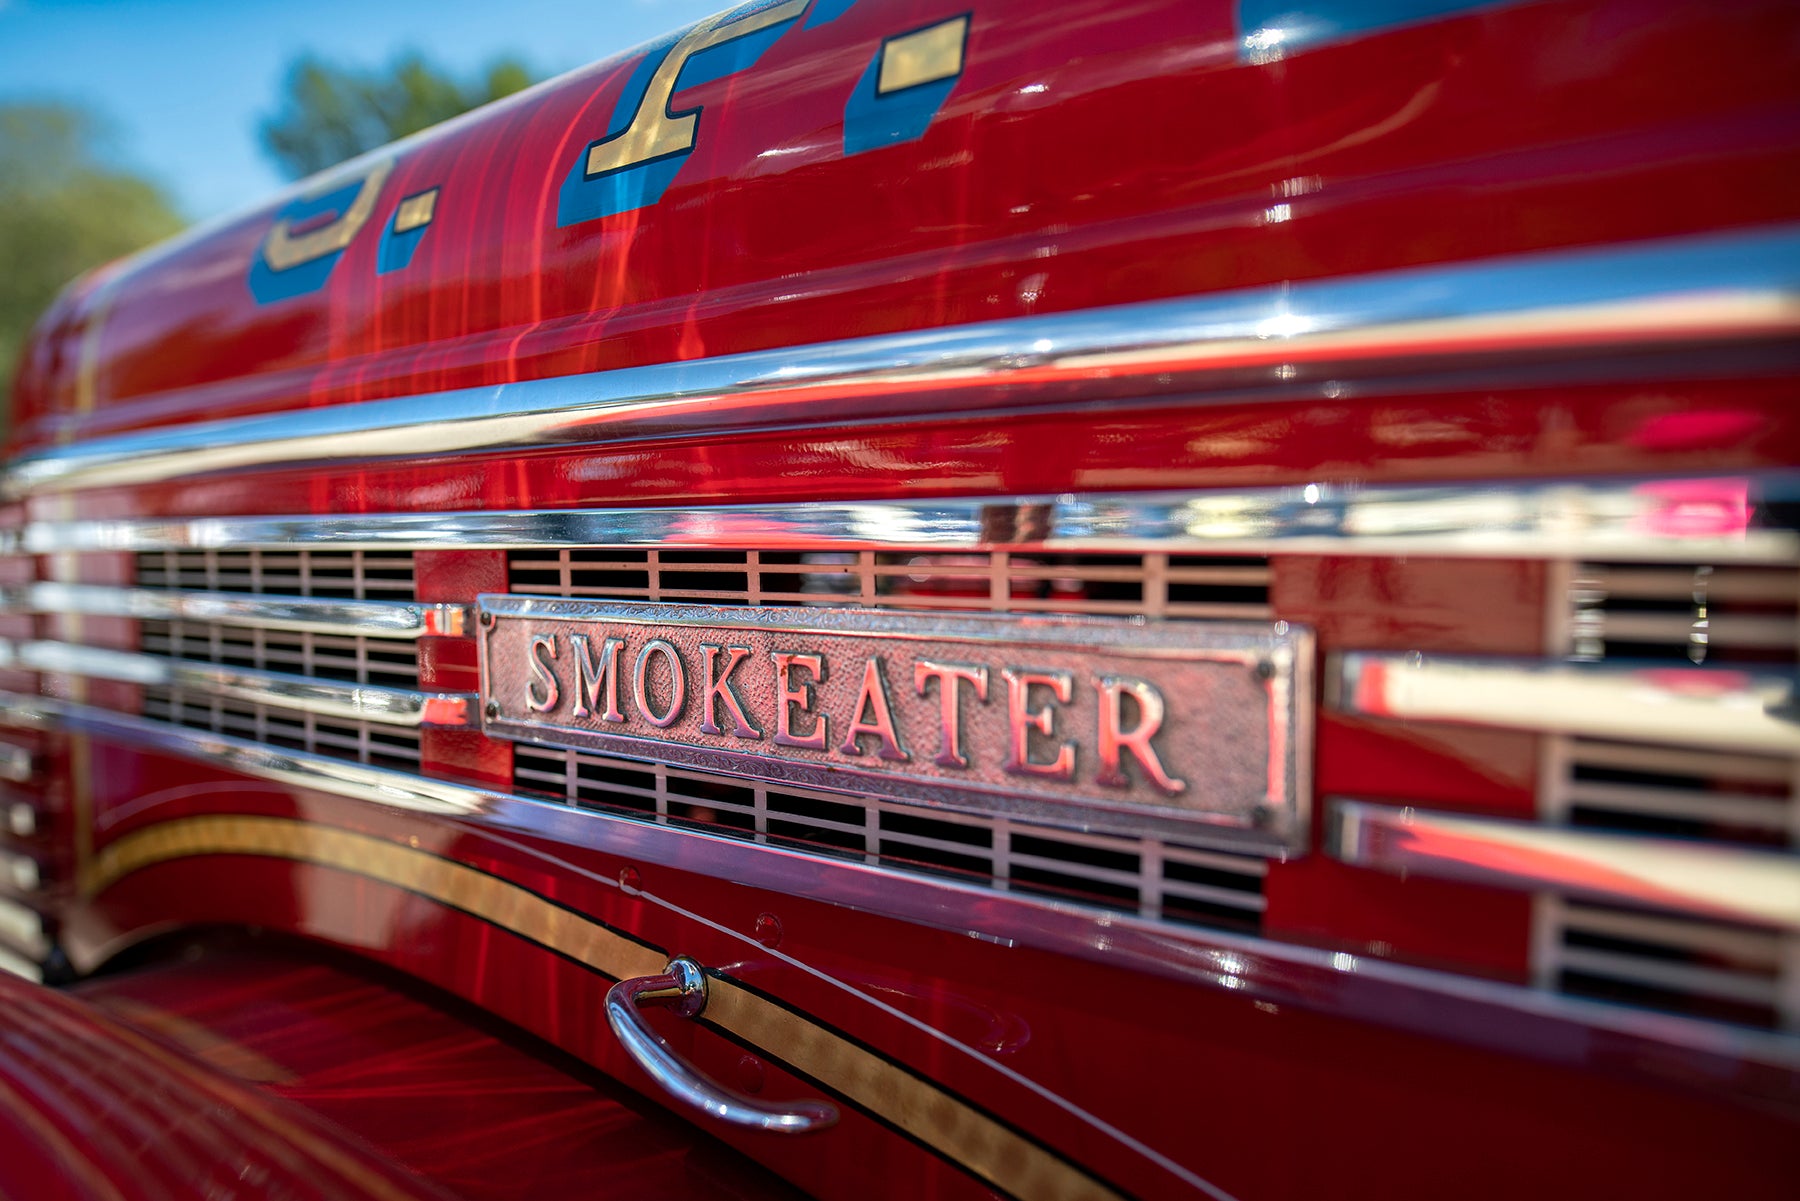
<point x="1196" y="728"/>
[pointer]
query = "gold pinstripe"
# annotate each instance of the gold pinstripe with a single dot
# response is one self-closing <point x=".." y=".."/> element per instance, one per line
<point x="937" y="1118"/>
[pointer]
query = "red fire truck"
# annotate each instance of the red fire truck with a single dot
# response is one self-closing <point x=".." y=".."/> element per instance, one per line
<point x="898" y="598"/>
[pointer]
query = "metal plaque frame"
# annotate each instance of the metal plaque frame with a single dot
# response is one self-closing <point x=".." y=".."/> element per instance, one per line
<point x="781" y="694"/>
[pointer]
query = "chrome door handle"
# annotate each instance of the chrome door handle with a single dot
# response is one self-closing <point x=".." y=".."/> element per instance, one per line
<point x="682" y="988"/>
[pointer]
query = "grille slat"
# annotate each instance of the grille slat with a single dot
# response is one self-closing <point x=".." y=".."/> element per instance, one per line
<point x="1135" y="585"/>
<point x="353" y="575"/>
<point x="1682" y="614"/>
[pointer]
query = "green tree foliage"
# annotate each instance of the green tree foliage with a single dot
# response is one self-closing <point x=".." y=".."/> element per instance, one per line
<point x="332" y="113"/>
<point x="63" y="209"/>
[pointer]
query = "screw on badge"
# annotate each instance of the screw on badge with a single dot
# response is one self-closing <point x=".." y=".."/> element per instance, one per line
<point x="487" y="618"/>
<point x="492" y="709"/>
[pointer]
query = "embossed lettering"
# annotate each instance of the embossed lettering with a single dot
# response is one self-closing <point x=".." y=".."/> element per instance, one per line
<point x="543" y="675"/>
<point x="589" y="677"/>
<point x="873" y="700"/>
<point x="1114" y="736"/>
<point x="1022" y="719"/>
<point x="949" y="676"/>
<point x="640" y="684"/>
<point x="719" y="689"/>
<point x="789" y="694"/>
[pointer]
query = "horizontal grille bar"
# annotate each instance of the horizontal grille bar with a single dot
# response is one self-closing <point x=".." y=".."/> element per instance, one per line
<point x="245" y="610"/>
<point x="1702" y="879"/>
<point x="1687" y="705"/>
<point x="361" y="702"/>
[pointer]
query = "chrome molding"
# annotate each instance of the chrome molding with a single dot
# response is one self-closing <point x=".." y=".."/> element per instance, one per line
<point x="22" y="929"/>
<point x="367" y="618"/>
<point x="1719" y="287"/>
<point x="1498" y="1016"/>
<point x="18" y="965"/>
<point x="1689" y="706"/>
<point x="1726" y="520"/>
<point x="17" y="765"/>
<point x="19" y="872"/>
<point x="1710" y="880"/>
<point x="324" y="698"/>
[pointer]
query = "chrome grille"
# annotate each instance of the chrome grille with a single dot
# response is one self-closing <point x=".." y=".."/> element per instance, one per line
<point x="361" y="742"/>
<point x="357" y="574"/>
<point x="1705" y="969"/>
<point x="1682" y="792"/>
<point x="1146" y="876"/>
<point x="1682" y="614"/>
<point x="1140" y="875"/>
<point x="1690" y="612"/>
<point x="1152" y="585"/>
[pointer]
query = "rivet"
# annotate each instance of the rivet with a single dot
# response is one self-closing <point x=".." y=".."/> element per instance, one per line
<point x="629" y="879"/>
<point x="750" y="1074"/>
<point x="487" y="618"/>
<point x="492" y="710"/>
<point x="768" y="930"/>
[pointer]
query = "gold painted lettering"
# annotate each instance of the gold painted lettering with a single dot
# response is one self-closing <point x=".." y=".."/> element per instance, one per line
<point x="789" y="694"/>
<point x="589" y="677"/>
<point x="283" y="249"/>
<point x="719" y="689"/>
<point x="873" y="700"/>
<point x="1115" y="737"/>
<point x="640" y="684"/>
<point x="654" y="131"/>
<point x="949" y="677"/>
<point x="1022" y="719"/>
<point x="542" y="692"/>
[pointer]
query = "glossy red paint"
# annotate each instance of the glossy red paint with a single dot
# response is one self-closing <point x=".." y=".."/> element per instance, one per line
<point x="1123" y="152"/>
<point x="483" y="1114"/>
<point x="92" y="1108"/>
<point x="1485" y="432"/>
<point x="1115" y="153"/>
<point x="1465" y="1113"/>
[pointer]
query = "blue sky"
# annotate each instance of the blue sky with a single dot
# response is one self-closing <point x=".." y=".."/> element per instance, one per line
<point x="185" y="83"/>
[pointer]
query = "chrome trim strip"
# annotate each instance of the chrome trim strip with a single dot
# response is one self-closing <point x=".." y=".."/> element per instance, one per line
<point x="19" y="872"/>
<point x="1725" y="520"/>
<point x="1689" y="706"/>
<point x="325" y="698"/>
<point x="18" y="965"/>
<point x="1708" y="880"/>
<point x="22" y="929"/>
<point x="17" y="765"/>
<point x="1499" y="1016"/>
<point x="1725" y="286"/>
<point x="349" y="618"/>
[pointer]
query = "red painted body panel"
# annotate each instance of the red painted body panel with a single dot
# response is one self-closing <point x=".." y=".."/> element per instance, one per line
<point x="1207" y="1076"/>
<point x="448" y="1101"/>
<point x="92" y="1108"/>
<point x="1112" y="153"/>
